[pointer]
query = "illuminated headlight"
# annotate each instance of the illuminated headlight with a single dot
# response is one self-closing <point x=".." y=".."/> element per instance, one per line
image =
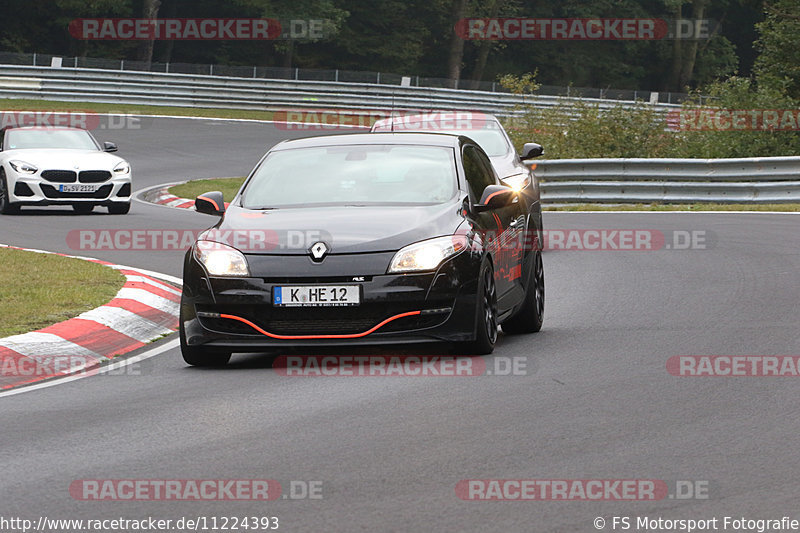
<point x="22" y="167"/>
<point x="221" y="259"/>
<point x="517" y="181"/>
<point x="426" y="255"/>
<point x="122" y="168"/>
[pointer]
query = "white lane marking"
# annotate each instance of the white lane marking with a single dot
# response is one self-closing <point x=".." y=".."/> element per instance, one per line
<point x="126" y="322"/>
<point x="106" y="368"/>
<point x="157" y="284"/>
<point x="148" y="298"/>
<point x="36" y="344"/>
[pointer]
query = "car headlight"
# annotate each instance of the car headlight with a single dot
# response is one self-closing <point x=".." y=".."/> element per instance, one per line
<point x="426" y="255"/>
<point x="22" y="167"/>
<point x="122" y="168"/>
<point x="221" y="259"/>
<point x="517" y="181"/>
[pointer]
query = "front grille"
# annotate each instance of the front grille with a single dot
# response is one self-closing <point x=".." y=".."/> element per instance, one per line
<point x="93" y="176"/>
<point x="52" y="192"/>
<point x="311" y="321"/>
<point x="59" y="176"/>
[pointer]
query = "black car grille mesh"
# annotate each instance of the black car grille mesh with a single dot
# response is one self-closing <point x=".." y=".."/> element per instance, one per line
<point x="93" y="176"/>
<point x="59" y="176"/>
<point x="310" y="321"/>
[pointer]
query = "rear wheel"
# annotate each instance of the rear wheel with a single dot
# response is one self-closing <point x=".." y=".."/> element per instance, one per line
<point x="6" y="207"/>
<point x="530" y="317"/>
<point x="82" y="209"/>
<point x="486" y="320"/>
<point x="201" y="356"/>
<point x="119" y="208"/>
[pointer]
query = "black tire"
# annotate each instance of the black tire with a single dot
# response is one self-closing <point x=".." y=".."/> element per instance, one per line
<point x="6" y="207"/>
<point x="486" y="314"/>
<point x="200" y="356"/>
<point x="530" y="317"/>
<point x="83" y="209"/>
<point x="119" y="208"/>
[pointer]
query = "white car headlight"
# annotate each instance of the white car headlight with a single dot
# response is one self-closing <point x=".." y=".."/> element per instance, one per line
<point x="221" y="259"/>
<point x="122" y="168"/>
<point x="426" y="255"/>
<point x="22" y="167"/>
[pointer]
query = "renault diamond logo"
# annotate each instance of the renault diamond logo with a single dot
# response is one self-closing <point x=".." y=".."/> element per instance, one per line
<point x="318" y="251"/>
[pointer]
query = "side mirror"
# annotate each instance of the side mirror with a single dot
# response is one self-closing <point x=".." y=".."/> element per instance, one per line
<point x="494" y="197"/>
<point x="108" y="146"/>
<point x="531" y="150"/>
<point x="210" y="203"/>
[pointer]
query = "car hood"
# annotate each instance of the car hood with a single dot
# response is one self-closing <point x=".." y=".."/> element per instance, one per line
<point x="345" y="230"/>
<point x="63" y="159"/>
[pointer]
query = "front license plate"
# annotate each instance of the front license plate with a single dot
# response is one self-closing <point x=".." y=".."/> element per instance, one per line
<point x="316" y="295"/>
<point x="77" y="187"/>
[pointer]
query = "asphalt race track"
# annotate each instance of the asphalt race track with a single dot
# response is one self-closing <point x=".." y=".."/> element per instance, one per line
<point x="595" y="401"/>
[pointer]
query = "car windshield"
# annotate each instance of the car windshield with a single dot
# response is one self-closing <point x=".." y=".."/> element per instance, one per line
<point x="21" y="139"/>
<point x="353" y="175"/>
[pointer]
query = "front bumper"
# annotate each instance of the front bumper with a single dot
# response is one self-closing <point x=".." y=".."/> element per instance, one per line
<point x="238" y="314"/>
<point x="35" y="190"/>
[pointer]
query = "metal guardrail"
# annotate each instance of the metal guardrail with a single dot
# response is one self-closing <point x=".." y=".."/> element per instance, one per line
<point x="745" y="180"/>
<point x="156" y="88"/>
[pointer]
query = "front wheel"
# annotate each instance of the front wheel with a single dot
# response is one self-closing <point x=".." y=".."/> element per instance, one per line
<point x="530" y="317"/>
<point x="486" y="320"/>
<point x="6" y="207"/>
<point x="201" y="356"/>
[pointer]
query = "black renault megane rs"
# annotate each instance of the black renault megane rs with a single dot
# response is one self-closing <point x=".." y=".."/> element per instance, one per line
<point x="363" y="239"/>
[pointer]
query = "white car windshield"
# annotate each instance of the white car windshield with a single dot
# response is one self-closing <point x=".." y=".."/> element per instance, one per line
<point x="22" y="139"/>
<point x="353" y="175"/>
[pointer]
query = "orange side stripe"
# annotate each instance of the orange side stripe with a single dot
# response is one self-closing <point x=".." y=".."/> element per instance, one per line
<point x="299" y="337"/>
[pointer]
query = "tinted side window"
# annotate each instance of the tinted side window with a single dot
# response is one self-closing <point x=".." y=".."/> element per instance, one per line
<point x="478" y="171"/>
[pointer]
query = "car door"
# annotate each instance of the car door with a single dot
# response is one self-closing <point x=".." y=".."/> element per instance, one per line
<point x="504" y="224"/>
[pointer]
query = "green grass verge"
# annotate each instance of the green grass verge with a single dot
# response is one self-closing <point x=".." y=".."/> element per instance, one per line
<point x="37" y="290"/>
<point x="13" y="104"/>
<point x="675" y="207"/>
<point x="192" y="189"/>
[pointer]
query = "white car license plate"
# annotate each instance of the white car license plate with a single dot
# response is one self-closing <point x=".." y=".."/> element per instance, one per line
<point x="77" y="187"/>
<point x="316" y="295"/>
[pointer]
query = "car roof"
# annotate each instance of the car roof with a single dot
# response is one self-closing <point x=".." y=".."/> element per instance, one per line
<point x="44" y="127"/>
<point x="423" y="139"/>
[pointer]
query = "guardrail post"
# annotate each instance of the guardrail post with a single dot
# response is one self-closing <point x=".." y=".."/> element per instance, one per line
<point x="337" y="75"/>
<point x="254" y="72"/>
<point x="166" y="68"/>
<point x="378" y="78"/>
<point x="122" y="64"/>
<point x="34" y="59"/>
<point x="296" y="73"/>
<point x="211" y="70"/>
<point x="76" y="61"/>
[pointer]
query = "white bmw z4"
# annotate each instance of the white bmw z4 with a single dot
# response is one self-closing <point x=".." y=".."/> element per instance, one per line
<point x="61" y="166"/>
